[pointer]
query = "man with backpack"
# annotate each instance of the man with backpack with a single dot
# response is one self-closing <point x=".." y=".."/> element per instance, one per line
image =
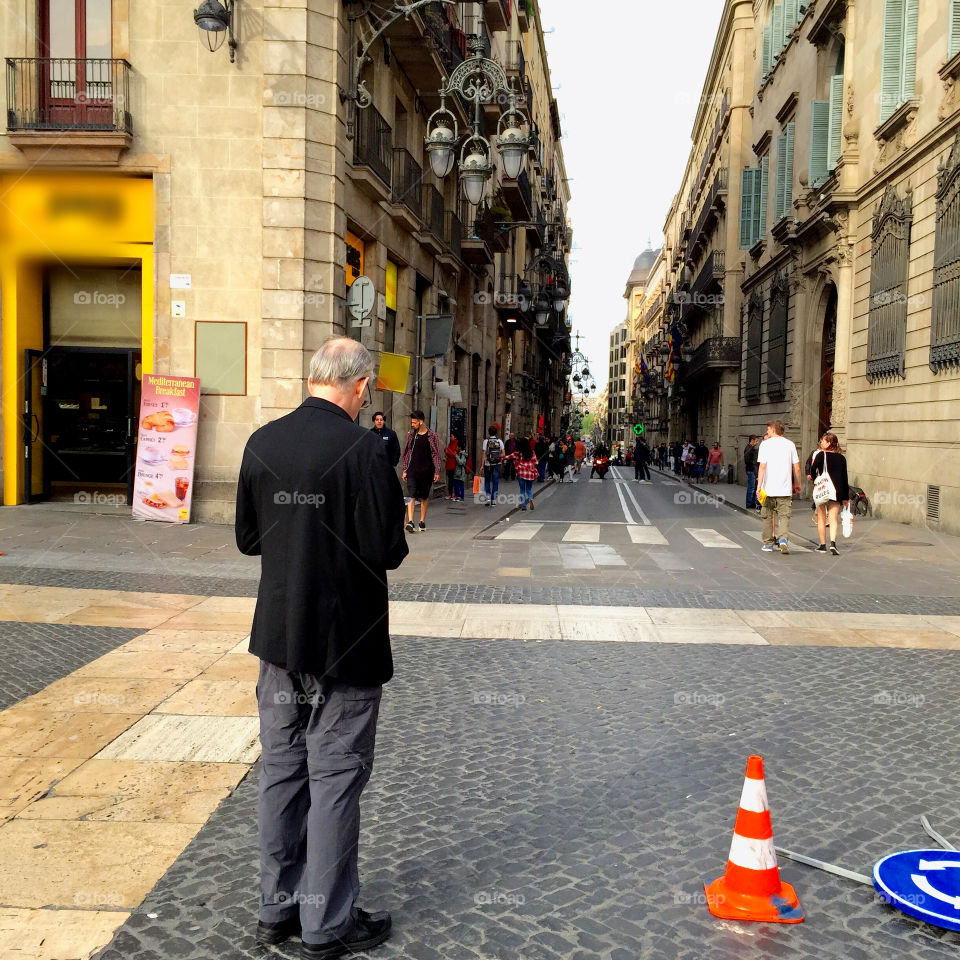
<point x="490" y="461"/>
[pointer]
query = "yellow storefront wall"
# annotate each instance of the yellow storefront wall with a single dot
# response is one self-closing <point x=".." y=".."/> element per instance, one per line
<point x="68" y="219"/>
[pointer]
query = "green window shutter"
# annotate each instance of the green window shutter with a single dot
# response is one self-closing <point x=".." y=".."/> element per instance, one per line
<point x="746" y="208"/>
<point x="953" y="41"/>
<point x="836" y="121"/>
<point x="761" y="211"/>
<point x="791" y="14"/>
<point x="788" y="170"/>
<point x="766" y="57"/>
<point x="777" y="29"/>
<point x="909" y="49"/>
<point x="891" y="64"/>
<point x="778" y="192"/>
<point x="819" y="140"/>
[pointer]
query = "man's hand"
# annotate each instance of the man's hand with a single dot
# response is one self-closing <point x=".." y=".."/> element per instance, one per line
<point x="436" y="477"/>
<point x="797" y="488"/>
<point x="404" y="475"/>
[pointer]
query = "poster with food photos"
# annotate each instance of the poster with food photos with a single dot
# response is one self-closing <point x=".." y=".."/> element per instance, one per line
<point x="166" y="448"/>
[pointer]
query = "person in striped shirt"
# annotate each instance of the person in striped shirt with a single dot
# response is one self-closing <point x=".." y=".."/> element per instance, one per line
<point x="527" y="467"/>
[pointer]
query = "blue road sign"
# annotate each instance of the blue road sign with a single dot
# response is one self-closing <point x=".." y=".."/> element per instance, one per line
<point x="922" y="883"/>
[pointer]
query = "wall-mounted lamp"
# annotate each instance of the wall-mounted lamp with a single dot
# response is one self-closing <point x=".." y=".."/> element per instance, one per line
<point x="215" y="22"/>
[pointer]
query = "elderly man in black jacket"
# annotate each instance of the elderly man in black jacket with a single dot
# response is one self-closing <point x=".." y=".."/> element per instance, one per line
<point x="319" y="501"/>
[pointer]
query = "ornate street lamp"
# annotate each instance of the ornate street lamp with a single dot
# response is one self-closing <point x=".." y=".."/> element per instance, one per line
<point x="441" y="140"/>
<point x="476" y="168"/>
<point x="215" y="22"/>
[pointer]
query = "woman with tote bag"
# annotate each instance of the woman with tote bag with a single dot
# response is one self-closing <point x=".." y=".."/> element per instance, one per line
<point x="830" y="489"/>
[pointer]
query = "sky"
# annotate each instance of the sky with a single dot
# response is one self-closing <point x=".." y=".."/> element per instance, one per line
<point x="628" y="76"/>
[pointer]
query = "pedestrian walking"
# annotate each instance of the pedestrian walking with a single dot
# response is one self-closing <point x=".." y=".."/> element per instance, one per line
<point x="750" y="468"/>
<point x="319" y="501"/>
<point x="568" y="459"/>
<point x="450" y="464"/>
<point x="679" y="449"/>
<point x="714" y="463"/>
<point x="525" y="463"/>
<point x="829" y="462"/>
<point x="579" y="455"/>
<point x="421" y="468"/>
<point x="459" y="473"/>
<point x="778" y="465"/>
<point x="490" y="461"/>
<point x="541" y="449"/>
<point x="641" y="457"/>
<point x="390" y="442"/>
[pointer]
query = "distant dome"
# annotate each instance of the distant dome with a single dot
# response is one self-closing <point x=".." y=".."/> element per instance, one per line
<point x="641" y="267"/>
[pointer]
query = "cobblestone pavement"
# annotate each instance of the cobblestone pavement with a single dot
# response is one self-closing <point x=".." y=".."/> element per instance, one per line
<point x="553" y="800"/>
<point x="36" y="654"/>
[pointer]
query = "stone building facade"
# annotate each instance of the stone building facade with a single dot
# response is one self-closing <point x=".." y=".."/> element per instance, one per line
<point x="227" y="207"/>
<point x="844" y="238"/>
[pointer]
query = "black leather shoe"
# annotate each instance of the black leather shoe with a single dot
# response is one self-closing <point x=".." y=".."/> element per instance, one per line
<point x="371" y="930"/>
<point x="274" y="933"/>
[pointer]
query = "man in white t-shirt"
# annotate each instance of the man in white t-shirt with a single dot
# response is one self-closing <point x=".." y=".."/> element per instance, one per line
<point x="778" y="465"/>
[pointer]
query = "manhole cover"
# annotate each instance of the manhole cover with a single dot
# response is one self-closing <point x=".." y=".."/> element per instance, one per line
<point x="904" y="543"/>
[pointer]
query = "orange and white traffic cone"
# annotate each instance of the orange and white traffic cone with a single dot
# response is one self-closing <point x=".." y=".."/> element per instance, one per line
<point x="751" y="888"/>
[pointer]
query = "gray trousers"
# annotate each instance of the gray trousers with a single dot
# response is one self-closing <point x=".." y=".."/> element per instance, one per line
<point x="318" y="739"/>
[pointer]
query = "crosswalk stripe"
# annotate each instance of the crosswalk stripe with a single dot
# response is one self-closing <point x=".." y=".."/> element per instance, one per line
<point x="582" y="533"/>
<point x="794" y="546"/>
<point x="520" y="531"/>
<point x="712" y="538"/>
<point x="649" y="536"/>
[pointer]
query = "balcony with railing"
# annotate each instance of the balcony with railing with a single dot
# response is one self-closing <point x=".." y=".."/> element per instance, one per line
<point x="515" y="63"/>
<point x="519" y="196"/>
<point x="373" y="146"/>
<point x="713" y="205"/>
<point x="453" y="233"/>
<point x="407" y="182"/>
<point x="512" y="294"/>
<point x="428" y="45"/>
<point x="479" y="235"/>
<point x="60" y="102"/>
<point x="434" y="228"/>
<point x="497" y="13"/>
<point x="712" y="271"/>
<point x="715" y="353"/>
<point x="447" y="40"/>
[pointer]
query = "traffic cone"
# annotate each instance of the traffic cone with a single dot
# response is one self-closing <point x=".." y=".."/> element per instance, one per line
<point x="751" y="888"/>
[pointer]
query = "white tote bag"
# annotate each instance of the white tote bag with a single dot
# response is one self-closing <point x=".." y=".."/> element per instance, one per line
<point x="823" y="488"/>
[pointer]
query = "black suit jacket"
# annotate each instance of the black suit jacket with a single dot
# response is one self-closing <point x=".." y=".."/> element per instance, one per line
<point x="320" y="503"/>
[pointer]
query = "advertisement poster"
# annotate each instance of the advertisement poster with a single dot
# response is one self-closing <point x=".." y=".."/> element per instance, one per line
<point x="394" y="372"/>
<point x="166" y="448"/>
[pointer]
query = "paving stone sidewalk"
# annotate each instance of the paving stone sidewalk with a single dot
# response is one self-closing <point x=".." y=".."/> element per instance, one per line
<point x="567" y="804"/>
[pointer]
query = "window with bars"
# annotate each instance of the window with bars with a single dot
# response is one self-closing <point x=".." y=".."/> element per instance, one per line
<point x="777" y="336"/>
<point x="945" y="319"/>
<point x="783" y="196"/>
<point x="953" y="30"/>
<point x="754" y="346"/>
<point x="889" y="265"/>
<point x="898" y="64"/>
<point x="753" y="203"/>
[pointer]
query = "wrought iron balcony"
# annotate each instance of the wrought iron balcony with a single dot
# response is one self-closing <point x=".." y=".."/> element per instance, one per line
<point x="713" y="269"/>
<point x="373" y="143"/>
<point x="515" y="63"/>
<point x="512" y="294"/>
<point x="709" y="214"/>
<point x="497" y="13"/>
<point x="64" y="93"/>
<point x="433" y="211"/>
<point x="453" y="233"/>
<point x="448" y="41"/>
<point x="715" y="353"/>
<point x="407" y="181"/>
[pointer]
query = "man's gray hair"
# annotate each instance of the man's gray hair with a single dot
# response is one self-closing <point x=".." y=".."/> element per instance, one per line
<point x="340" y="362"/>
